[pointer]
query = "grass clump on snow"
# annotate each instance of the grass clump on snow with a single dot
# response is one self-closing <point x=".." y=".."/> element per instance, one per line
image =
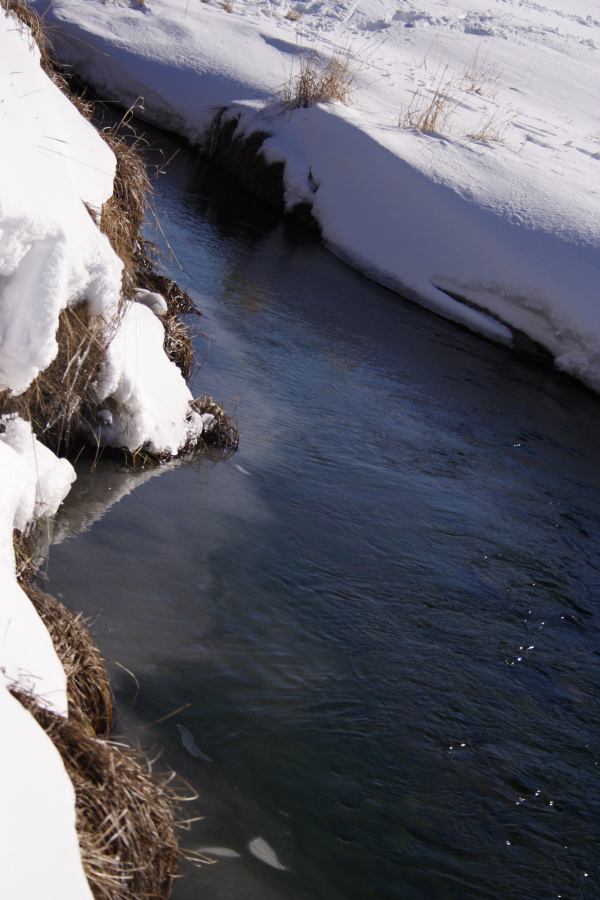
<point x="319" y="81"/>
<point x="481" y="75"/>
<point x="491" y="128"/>
<point x="430" y="111"/>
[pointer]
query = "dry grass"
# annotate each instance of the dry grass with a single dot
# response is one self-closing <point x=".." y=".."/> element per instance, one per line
<point x="29" y="547"/>
<point x="224" y="433"/>
<point x="431" y="111"/>
<point x="319" y="81"/>
<point x="178" y="343"/>
<point x="481" y="76"/>
<point x="146" y="264"/>
<point x="55" y="401"/>
<point x="491" y="128"/>
<point x="125" y="815"/>
<point x="228" y="6"/>
<point x="88" y="687"/>
<point x="123" y="215"/>
<point x="292" y="15"/>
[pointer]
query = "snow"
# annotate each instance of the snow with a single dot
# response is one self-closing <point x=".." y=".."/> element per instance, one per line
<point x="38" y="805"/>
<point x="52" y="254"/>
<point x="33" y="482"/>
<point x="40" y="854"/>
<point x="55" y="174"/>
<point x="150" y="401"/>
<point x="155" y="302"/>
<point x="507" y="226"/>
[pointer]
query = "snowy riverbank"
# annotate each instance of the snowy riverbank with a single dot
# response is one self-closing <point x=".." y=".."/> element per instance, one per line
<point x="490" y="219"/>
<point x="56" y="174"/>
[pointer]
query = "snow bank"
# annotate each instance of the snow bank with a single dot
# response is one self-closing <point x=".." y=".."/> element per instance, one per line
<point x="40" y="854"/>
<point x="33" y="482"/>
<point x="53" y="169"/>
<point x="434" y="237"/>
<point x="501" y="210"/>
<point x="37" y="825"/>
<point x="55" y="174"/>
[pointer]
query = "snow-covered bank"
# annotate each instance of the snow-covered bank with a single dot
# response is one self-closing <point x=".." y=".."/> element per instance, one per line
<point x="499" y="206"/>
<point x="38" y="804"/>
<point x="56" y="174"/>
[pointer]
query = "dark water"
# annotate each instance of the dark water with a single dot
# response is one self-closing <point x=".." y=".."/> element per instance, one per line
<point x="382" y="612"/>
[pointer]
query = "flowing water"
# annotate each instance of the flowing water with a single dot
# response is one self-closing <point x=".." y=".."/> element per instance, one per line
<point x="381" y="612"/>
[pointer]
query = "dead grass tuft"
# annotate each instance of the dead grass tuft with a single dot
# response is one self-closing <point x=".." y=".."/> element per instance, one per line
<point x="55" y="400"/>
<point x="491" y="128"/>
<point x="223" y="433"/>
<point x="125" y="814"/>
<point x="29" y="549"/>
<point x="293" y="15"/>
<point x="431" y="111"/>
<point x="88" y="687"/>
<point x="319" y="81"/>
<point x="481" y="76"/>
<point x="179" y="345"/>
<point x="146" y="263"/>
<point x="123" y="215"/>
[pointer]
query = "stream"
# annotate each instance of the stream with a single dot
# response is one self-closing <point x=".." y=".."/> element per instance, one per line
<point x="378" y="618"/>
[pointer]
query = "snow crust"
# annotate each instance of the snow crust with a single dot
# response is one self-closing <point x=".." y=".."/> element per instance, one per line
<point x="508" y="225"/>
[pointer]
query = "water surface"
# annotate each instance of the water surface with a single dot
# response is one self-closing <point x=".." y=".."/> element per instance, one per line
<point x="381" y="611"/>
